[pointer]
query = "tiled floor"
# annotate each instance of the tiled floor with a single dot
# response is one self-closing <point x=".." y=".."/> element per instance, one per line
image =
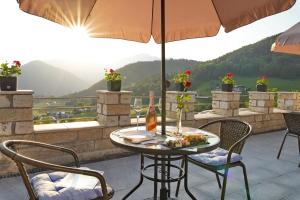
<point x="269" y="178"/>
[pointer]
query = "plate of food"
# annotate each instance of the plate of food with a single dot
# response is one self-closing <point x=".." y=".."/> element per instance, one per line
<point x="187" y="141"/>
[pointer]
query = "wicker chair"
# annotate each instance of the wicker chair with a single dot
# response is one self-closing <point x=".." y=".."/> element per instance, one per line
<point x="233" y="134"/>
<point x="9" y="147"/>
<point x="292" y="121"/>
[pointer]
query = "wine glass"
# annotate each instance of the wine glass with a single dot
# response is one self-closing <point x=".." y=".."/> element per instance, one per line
<point x="137" y="106"/>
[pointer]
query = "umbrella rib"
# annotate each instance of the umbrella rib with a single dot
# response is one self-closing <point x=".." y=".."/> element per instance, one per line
<point x="152" y="18"/>
<point x="90" y="12"/>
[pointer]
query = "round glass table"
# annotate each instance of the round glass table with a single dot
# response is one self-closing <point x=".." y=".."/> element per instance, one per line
<point x="154" y="146"/>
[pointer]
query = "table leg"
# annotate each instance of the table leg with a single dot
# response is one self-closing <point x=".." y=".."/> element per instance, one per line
<point x="186" y="178"/>
<point x="155" y="177"/>
<point x="163" y="189"/>
<point x="140" y="182"/>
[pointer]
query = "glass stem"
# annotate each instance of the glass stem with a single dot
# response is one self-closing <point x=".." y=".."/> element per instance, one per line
<point x="137" y="121"/>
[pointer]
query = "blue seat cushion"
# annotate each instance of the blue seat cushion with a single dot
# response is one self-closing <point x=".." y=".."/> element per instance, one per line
<point x="216" y="157"/>
<point x="66" y="186"/>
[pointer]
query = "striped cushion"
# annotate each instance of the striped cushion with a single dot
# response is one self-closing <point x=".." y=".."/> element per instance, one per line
<point x="216" y="157"/>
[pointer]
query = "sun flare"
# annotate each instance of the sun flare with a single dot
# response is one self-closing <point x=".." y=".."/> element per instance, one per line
<point x="80" y="32"/>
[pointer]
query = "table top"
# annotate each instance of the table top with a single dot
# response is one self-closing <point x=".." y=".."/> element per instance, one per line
<point x="156" y="145"/>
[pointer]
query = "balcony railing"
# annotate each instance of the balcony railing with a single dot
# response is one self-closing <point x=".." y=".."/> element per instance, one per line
<point x="69" y="109"/>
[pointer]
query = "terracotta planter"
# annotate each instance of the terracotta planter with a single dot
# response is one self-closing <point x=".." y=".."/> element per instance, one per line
<point x="8" y="83"/>
<point x="114" y="85"/>
<point x="261" y="88"/>
<point x="227" y="87"/>
<point x="179" y="86"/>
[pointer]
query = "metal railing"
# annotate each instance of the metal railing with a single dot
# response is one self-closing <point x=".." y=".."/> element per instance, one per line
<point x="69" y="109"/>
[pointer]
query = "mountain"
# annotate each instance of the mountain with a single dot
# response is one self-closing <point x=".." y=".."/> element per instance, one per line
<point x="247" y="64"/>
<point x="47" y="80"/>
<point x="141" y="71"/>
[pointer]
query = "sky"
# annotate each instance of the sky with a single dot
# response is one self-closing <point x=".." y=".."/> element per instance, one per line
<point x="26" y="38"/>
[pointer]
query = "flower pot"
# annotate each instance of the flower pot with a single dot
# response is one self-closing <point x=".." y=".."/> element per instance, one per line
<point x="261" y="88"/>
<point x="179" y="86"/>
<point x="8" y="83"/>
<point x="227" y="87"/>
<point x="114" y="85"/>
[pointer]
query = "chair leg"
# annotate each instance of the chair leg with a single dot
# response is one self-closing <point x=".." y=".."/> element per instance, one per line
<point x="155" y="177"/>
<point x="286" y="133"/>
<point x="224" y="183"/>
<point x="246" y="181"/>
<point x="218" y="180"/>
<point x="169" y="175"/>
<point x="178" y="183"/>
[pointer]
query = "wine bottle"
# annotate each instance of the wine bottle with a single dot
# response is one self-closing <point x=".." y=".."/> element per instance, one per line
<point x="151" y="120"/>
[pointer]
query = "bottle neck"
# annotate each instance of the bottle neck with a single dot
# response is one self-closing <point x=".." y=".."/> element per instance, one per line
<point x="151" y="103"/>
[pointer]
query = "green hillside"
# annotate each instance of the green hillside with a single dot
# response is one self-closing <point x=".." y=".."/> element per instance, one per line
<point x="247" y="64"/>
<point x="140" y="72"/>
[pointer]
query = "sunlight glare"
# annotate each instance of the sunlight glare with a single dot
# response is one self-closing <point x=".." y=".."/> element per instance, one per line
<point x="80" y="32"/>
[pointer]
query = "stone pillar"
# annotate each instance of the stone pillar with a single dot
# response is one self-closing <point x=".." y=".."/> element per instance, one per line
<point x="226" y="103"/>
<point x="262" y="102"/>
<point x="171" y="105"/>
<point x="288" y="101"/>
<point x="16" y="112"/>
<point x="113" y="108"/>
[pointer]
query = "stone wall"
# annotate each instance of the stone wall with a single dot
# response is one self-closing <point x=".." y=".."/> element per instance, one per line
<point x="289" y="101"/>
<point x="91" y="139"/>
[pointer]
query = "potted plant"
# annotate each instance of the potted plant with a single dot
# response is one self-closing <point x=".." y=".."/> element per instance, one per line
<point x="113" y="79"/>
<point x="181" y="100"/>
<point x="8" y="79"/>
<point x="180" y="78"/>
<point x="262" y="84"/>
<point x="227" y="82"/>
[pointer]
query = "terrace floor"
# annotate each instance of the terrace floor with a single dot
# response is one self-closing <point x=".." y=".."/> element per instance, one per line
<point x="269" y="178"/>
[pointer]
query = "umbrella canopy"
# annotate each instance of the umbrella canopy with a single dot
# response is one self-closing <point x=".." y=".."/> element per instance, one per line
<point x="138" y="20"/>
<point x="164" y="20"/>
<point x="288" y="41"/>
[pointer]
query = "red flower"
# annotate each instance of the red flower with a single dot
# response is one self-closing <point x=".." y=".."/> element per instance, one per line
<point x="187" y="84"/>
<point x="188" y="72"/>
<point x="229" y="75"/>
<point x="264" y="77"/>
<point x="17" y="63"/>
<point x="111" y="71"/>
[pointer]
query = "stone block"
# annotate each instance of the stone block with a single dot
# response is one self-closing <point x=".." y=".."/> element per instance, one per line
<point x="290" y="102"/>
<point x="103" y="144"/>
<point x="168" y="106"/>
<point x="57" y="138"/>
<point x="174" y="107"/>
<point x="119" y="109"/>
<point x="287" y="95"/>
<point x="6" y="128"/>
<point x="236" y="112"/>
<point x="25" y="127"/>
<point x="189" y="116"/>
<point x="4" y="101"/>
<point x="106" y="97"/>
<point x="215" y="104"/>
<point x="17" y="114"/>
<point x="90" y="134"/>
<point x="108" y="131"/>
<point x="171" y="114"/>
<point x="22" y="101"/>
<point x="252" y="102"/>
<point x="258" y="118"/>
<point x="124" y="121"/>
<point x="105" y="120"/>
<point x="125" y="98"/>
<point x="99" y="108"/>
<point x="223" y="112"/>
<point x="259" y="95"/>
<point x="259" y="109"/>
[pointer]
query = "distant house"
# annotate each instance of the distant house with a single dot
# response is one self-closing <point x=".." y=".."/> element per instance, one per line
<point x="240" y="88"/>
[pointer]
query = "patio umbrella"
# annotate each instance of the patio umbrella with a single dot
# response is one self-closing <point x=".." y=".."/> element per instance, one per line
<point x="164" y="20"/>
<point x="288" y="41"/>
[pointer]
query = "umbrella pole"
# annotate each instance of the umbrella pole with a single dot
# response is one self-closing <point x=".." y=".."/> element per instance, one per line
<point x="163" y="190"/>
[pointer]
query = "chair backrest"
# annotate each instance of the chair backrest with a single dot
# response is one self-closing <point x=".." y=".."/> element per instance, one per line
<point x="292" y="121"/>
<point x="9" y="149"/>
<point x="230" y="132"/>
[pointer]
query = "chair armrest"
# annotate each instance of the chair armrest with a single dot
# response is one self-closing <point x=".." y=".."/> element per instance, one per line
<point x="49" y="166"/>
<point x="10" y="143"/>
